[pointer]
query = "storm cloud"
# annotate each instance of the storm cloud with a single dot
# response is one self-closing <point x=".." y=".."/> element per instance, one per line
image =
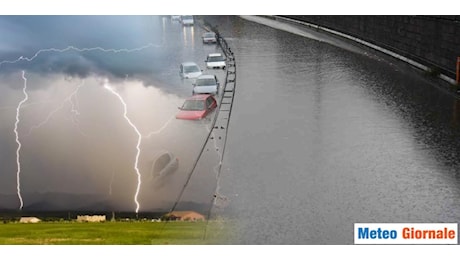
<point x="78" y="150"/>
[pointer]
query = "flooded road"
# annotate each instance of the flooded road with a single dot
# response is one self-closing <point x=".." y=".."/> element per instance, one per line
<point x="323" y="136"/>
<point x="94" y="112"/>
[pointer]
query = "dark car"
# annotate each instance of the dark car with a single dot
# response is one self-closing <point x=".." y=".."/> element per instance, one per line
<point x="165" y="164"/>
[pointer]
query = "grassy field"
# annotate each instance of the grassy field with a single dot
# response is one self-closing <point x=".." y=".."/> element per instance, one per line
<point x="112" y="233"/>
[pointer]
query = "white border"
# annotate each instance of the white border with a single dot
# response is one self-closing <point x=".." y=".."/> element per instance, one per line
<point x="232" y="7"/>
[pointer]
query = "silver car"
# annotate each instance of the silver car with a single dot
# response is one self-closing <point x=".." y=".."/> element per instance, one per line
<point x="189" y="70"/>
<point x="215" y="61"/>
<point x="206" y="84"/>
<point x="209" y="37"/>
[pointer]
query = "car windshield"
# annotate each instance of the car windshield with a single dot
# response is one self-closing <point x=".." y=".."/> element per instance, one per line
<point x="192" y="68"/>
<point x="193" y="105"/>
<point x="187" y="17"/>
<point x="215" y="58"/>
<point x="205" y="82"/>
<point x="209" y="35"/>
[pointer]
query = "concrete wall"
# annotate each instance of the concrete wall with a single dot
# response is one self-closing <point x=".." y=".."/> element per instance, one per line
<point x="431" y="40"/>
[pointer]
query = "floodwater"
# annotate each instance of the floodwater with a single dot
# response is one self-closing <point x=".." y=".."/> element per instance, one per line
<point x="80" y="146"/>
<point x="324" y="135"/>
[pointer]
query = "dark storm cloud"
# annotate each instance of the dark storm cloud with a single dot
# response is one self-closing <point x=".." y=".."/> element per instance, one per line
<point x="27" y="35"/>
<point x="75" y="139"/>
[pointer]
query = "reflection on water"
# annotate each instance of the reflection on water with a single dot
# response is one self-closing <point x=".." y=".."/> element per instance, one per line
<point x="322" y="138"/>
<point x="189" y="36"/>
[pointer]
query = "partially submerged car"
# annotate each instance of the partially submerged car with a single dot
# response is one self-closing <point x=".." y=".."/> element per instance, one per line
<point x="197" y="107"/>
<point x="164" y="164"/>
<point x="189" y="70"/>
<point x="209" y="37"/>
<point x="215" y="61"/>
<point x="206" y="84"/>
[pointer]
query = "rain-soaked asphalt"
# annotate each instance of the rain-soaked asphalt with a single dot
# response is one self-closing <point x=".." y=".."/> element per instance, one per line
<point x="322" y="137"/>
<point x="322" y="134"/>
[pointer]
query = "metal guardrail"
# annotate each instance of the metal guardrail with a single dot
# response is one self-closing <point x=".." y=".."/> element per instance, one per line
<point x="222" y="116"/>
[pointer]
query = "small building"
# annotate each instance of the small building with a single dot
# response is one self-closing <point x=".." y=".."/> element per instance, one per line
<point x="184" y="216"/>
<point x="29" y="220"/>
<point x="93" y="218"/>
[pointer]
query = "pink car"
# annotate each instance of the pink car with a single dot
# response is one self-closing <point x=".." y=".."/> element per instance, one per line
<point x="197" y="107"/>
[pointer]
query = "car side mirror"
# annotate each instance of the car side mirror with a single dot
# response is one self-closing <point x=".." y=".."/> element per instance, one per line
<point x="180" y="108"/>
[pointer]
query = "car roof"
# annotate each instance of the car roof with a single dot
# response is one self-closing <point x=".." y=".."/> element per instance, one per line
<point x="199" y="97"/>
<point x="206" y="76"/>
<point x="189" y="63"/>
<point x="214" y="54"/>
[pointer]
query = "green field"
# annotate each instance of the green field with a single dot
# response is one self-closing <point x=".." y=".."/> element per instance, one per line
<point x="112" y="233"/>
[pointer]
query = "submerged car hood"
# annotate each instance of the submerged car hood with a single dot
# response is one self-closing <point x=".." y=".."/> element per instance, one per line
<point x="190" y="115"/>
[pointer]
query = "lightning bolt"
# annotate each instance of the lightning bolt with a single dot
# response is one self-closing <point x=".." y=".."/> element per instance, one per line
<point x="73" y="110"/>
<point x="18" y="150"/>
<point x="74" y="106"/>
<point x="159" y="130"/>
<point x="125" y="115"/>
<point x="73" y="48"/>
<point x="20" y="105"/>
<point x="111" y="182"/>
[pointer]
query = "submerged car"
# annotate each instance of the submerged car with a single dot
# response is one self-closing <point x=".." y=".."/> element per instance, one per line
<point x="197" y="107"/>
<point x="215" y="61"/>
<point x="209" y="37"/>
<point x="189" y="70"/>
<point x="206" y="84"/>
<point x="165" y="164"/>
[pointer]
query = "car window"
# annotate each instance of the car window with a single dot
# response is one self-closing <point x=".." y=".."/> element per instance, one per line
<point x="193" y="105"/>
<point x="192" y="68"/>
<point x="206" y="82"/>
<point x="215" y="58"/>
